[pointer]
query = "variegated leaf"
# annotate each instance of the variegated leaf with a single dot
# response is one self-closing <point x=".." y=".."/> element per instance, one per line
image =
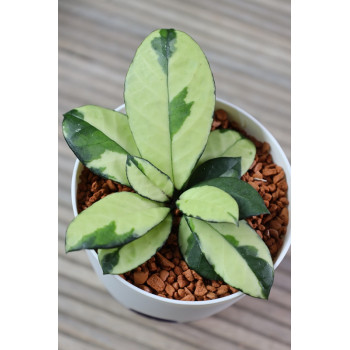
<point x="147" y="180"/>
<point x="229" y="143"/>
<point x="209" y="203"/>
<point x="101" y="139"/>
<point x="237" y="254"/>
<point x="169" y="99"/>
<point x="219" y="141"/>
<point x="113" y="221"/>
<point x="133" y="254"/>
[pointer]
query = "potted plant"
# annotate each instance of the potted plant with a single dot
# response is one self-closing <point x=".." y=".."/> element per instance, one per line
<point x="163" y="149"/>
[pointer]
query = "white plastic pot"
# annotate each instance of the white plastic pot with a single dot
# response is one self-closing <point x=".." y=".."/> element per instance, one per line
<point x="175" y="310"/>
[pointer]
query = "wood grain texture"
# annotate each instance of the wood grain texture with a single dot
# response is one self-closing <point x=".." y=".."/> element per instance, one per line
<point x="248" y="46"/>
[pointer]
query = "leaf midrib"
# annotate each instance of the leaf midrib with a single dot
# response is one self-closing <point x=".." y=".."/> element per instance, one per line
<point x="167" y="89"/>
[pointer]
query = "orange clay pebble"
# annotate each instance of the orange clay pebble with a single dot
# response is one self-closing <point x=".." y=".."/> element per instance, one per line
<point x="188" y="297"/>
<point x="181" y="292"/>
<point x="188" y="275"/>
<point x="215" y="284"/>
<point x="196" y="276"/>
<point x="152" y="266"/>
<point x="163" y="274"/>
<point x="178" y="270"/>
<point x="140" y="277"/>
<point x="284" y="215"/>
<point x="146" y="288"/>
<point x="156" y="283"/>
<point x="211" y="288"/>
<point x="222" y="290"/>
<point x="200" y="289"/>
<point x="221" y="115"/>
<point x="183" y="265"/>
<point x="187" y="291"/>
<point x="191" y="286"/>
<point x="111" y="185"/>
<point x="169" y="289"/>
<point x="211" y="295"/>
<point x="166" y="264"/>
<point x="171" y="279"/>
<point x="233" y="290"/>
<point x="182" y="281"/>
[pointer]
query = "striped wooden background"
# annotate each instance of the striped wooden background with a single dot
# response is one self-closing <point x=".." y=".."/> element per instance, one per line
<point x="248" y="46"/>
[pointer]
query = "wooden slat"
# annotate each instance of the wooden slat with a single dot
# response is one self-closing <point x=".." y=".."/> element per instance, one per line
<point x="252" y="86"/>
<point x="260" y="11"/>
<point x="102" y="300"/>
<point x="242" y="335"/>
<point x="282" y="278"/>
<point x="88" y="334"/>
<point x="263" y="94"/>
<point x="256" y="102"/>
<point x="75" y="290"/>
<point x="116" y="45"/>
<point x="107" y="320"/>
<point x="257" y="324"/>
<point x="222" y="47"/>
<point x="73" y="343"/>
<point x="248" y="46"/>
<point x="277" y="6"/>
<point x="269" y="310"/>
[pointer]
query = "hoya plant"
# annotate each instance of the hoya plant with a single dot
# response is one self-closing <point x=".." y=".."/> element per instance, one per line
<point x="163" y="149"/>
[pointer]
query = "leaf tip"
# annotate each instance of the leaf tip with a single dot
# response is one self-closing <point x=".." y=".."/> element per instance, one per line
<point x="74" y="113"/>
<point x="68" y="249"/>
<point x="234" y="219"/>
<point x="105" y="270"/>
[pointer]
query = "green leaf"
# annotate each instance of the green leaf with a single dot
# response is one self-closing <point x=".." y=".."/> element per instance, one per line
<point x="147" y="180"/>
<point x="169" y="99"/>
<point x="192" y="253"/>
<point x="219" y="141"/>
<point x="114" y="220"/>
<point x="218" y="167"/>
<point x="229" y="143"/>
<point x="101" y="139"/>
<point x="249" y="200"/>
<point x="208" y="203"/>
<point x="237" y="254"/>
<point x="133" y="254"/>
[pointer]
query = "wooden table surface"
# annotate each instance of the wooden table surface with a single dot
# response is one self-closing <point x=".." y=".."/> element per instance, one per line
<point x="248" y="46"/>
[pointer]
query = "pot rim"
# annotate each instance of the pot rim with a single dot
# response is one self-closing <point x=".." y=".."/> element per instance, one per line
<point x="283" y="252"/>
